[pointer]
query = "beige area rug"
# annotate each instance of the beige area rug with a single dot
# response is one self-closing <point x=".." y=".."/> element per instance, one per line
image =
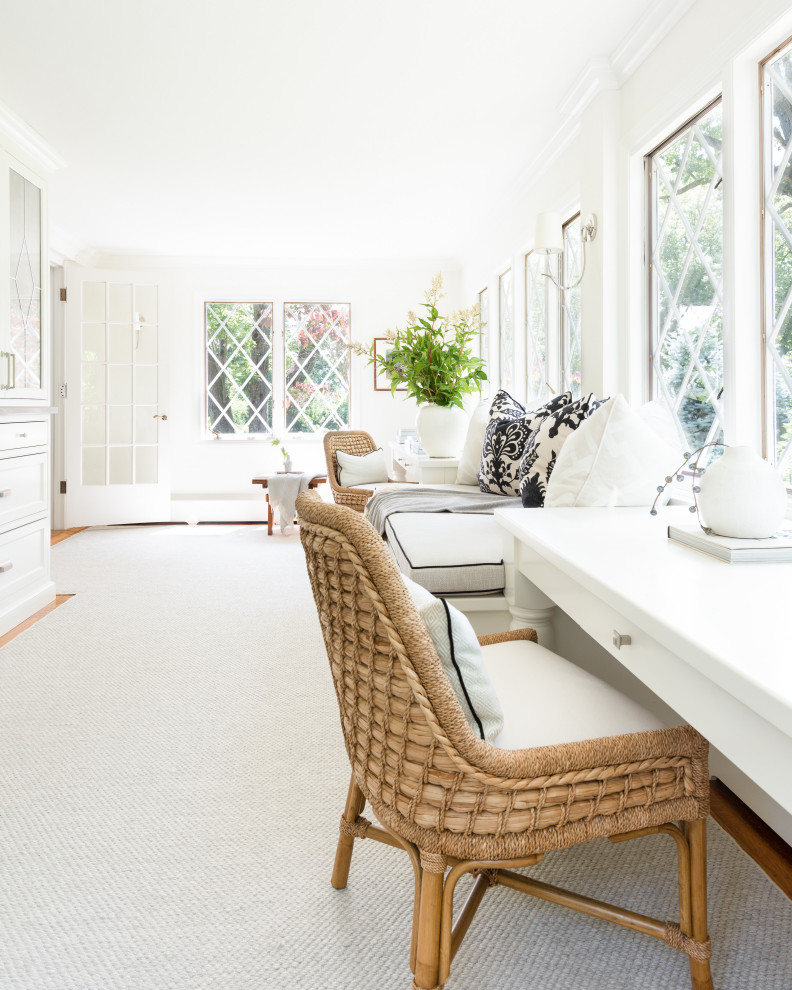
<point x="171" y="780"/>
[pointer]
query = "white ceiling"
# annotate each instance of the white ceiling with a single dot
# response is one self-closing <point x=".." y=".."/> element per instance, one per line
<point x="313" y="129"/>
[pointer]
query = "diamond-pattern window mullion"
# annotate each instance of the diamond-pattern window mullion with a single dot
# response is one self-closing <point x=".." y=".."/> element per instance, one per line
<point x="317" y="366"/>
<point x="239" y="367"/>
<point x="685" y="281"/>
<point x="536" y="327"/>
<point x="570" y="308"/>
<point x="777" y="201"/>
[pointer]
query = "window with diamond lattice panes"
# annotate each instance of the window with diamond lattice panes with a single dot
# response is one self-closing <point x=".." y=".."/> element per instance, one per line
<point x="505" y="330"/>
<point x="571" y="330"/>
<point x="317" y="360"/>
<point x="484" y="324"/>
<point x="537" y="289"/>
<point x="239" y="367"/>
<point x="777" y="255"/>
<point x="686" y="277"/>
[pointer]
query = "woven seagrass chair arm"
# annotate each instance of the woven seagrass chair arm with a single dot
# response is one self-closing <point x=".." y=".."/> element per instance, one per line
<point x="510" y="636"/>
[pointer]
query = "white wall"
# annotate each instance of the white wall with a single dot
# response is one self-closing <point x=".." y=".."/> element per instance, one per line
<point x="380" y="298"/>
<point x="714" y="48"/>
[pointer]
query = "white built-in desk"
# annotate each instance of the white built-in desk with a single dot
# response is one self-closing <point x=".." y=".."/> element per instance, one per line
<point x="712" y="639"/>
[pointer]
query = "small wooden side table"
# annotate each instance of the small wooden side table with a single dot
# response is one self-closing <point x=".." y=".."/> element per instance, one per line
<point x="318" y="479"/>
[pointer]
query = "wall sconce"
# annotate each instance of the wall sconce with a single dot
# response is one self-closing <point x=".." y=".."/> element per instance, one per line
<point x="549" y="239"/>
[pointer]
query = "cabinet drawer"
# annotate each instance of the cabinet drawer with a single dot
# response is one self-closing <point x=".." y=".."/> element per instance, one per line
<point x="23" y="487"/>
<point x="24" y="557"/>
<point x="15" y="435"/>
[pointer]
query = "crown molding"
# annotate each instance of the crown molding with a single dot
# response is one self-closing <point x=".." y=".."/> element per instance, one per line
<point x="544" y="159"/>
<point x="596" y="77"/>
<point x="30" y="143"/>
<point x="117" y="259"/>
<point x="645" y="35"/>
<point x="64" y="247"/>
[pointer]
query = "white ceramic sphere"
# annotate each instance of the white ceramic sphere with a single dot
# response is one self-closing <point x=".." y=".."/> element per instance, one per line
<point x="441" y="429"/>
<point x="742" y="496"/>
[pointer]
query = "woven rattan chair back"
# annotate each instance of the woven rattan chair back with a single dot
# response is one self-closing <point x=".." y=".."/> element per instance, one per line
<point x="358" y="443"/>
<point x="447" y="795"/>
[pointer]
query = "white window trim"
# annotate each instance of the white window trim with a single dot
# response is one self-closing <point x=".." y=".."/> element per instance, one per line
<point x="201" y="432"/>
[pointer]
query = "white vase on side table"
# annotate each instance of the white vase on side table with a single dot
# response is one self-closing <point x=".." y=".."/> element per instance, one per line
<point x="441" y="429"/>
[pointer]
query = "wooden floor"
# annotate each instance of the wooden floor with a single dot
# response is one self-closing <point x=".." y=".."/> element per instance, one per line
<point x="756" y="838"/>
<point x="12" y="633"/>
<point x="58" y="535"/>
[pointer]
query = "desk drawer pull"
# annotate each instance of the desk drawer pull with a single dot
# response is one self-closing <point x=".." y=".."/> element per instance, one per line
<point x="21" y="436"/>
<point x="6" y="566"/>
<point x="5" y="492"/>
<point x="621" y="639"/>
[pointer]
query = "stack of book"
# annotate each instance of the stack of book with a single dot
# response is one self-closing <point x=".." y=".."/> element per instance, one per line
<point x="774" y="548"/>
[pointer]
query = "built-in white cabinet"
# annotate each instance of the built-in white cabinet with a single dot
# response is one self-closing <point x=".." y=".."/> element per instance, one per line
<point x="24" y="295"/>
<point x="25" y="584"/>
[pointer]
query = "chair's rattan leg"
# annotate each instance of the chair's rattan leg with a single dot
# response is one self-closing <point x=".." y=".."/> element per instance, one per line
<point x="427" y="962"/>
<point x="696" y="831"/>
<point x="355" y="803"/>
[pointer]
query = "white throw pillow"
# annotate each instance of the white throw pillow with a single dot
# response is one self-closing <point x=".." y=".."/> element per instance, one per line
<point x="365" y="469"/>
<point x="458" y="648"/>
<point x="657" y="415"/>
<point x="467" y="472"/>
<point x="612" y="458"/>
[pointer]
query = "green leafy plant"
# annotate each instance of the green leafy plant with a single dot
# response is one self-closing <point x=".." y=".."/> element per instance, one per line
<point x="279" y="443"/>
<point x="432" y="355"/>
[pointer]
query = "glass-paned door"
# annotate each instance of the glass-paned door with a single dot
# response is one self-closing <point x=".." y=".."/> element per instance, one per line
<point x="114" y="420"/>
<point x="317" y="365"/>
<point x="506" y="329"/>
<point x="686" y="276"/>
<point x="571" y="329"/>
<point x="777" y="255"/>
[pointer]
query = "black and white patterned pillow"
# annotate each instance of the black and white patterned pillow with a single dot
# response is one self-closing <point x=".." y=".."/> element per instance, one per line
<point x="508" y="431"/>
<point x="544" y="446"/>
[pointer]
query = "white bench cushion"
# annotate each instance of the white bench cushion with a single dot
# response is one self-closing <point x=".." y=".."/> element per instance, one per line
<point x="547" y="700"/>
<point x="448" y="552"/>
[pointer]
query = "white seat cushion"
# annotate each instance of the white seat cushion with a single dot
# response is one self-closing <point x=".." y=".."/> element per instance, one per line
<point x="547" y="700"/>
<point x="448" y="552"/>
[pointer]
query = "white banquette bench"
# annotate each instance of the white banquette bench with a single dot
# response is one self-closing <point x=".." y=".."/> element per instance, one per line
<point x="614" y="457"/>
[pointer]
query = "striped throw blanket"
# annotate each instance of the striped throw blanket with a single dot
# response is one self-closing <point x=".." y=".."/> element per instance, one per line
<point x="417" y="498"/>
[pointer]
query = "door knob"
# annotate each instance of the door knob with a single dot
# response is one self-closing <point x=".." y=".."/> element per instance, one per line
<point x="162" y="416"/>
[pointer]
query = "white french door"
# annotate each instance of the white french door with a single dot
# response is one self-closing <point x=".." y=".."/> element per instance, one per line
<point x="115" y="420"/>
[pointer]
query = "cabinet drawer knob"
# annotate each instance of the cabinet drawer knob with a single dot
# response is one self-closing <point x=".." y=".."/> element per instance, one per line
<point x="6" y="566"/>
<point x="621" y="639"/>
<point x="5" y="492"/>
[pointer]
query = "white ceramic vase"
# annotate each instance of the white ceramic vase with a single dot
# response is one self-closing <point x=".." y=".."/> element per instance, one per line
<point x="441" y="429"/>
<point x="742" y="496"/>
